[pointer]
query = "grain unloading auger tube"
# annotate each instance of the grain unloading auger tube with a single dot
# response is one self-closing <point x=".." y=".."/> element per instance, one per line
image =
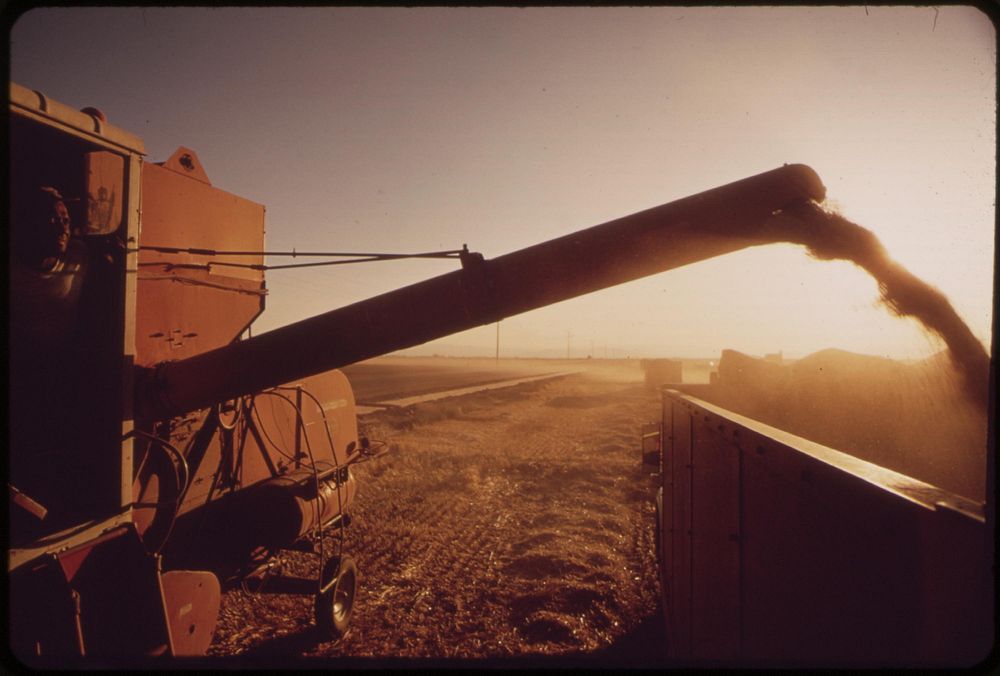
<point x="708" y="224"/>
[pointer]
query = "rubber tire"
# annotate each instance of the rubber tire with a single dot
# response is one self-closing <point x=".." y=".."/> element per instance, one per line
<point x="333" y="608"/>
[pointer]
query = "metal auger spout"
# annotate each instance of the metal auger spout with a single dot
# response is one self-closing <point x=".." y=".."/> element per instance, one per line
<point x="694" y="228"/>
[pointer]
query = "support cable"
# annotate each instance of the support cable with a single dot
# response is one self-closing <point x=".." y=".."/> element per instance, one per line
<point x="350" y="256"/>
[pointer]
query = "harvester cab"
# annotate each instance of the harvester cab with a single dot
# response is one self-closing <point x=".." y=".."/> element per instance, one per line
<point x="164" y="511"/>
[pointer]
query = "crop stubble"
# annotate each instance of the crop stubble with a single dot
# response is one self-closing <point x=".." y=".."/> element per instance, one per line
<point x="506" y="523"/>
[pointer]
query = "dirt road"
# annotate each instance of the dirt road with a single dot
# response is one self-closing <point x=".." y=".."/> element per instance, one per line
<point x="508" y="523"/>
<point x="397" y="377"/>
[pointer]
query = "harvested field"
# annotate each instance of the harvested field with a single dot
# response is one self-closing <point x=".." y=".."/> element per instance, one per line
<point x="506" y="524"/>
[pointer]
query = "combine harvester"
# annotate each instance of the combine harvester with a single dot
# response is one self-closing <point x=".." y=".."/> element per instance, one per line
<point x="158" y="457"/>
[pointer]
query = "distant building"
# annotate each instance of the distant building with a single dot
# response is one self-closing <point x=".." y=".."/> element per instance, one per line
<point x="774" y="358"/>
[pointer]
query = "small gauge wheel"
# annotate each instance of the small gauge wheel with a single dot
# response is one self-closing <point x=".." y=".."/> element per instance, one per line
<point x="334" y="606"/>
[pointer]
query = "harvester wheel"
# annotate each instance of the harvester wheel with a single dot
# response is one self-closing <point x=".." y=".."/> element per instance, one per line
<point x="334" y="606"/>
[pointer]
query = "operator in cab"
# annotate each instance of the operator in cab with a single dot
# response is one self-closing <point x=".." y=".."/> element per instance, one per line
<point x="47" y="270"/>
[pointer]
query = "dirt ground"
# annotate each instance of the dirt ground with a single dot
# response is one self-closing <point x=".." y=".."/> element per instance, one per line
<point x="509" y="524"/>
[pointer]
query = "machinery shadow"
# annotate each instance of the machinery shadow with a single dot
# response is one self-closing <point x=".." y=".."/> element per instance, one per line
<point x="643" y="647"/>
<point x="293" y="643"/>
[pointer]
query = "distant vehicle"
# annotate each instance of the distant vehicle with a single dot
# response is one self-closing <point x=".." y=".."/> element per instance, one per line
<point x="657" y="372"/>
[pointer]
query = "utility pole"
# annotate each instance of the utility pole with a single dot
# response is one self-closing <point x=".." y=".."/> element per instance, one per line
<point x="567" y="344"/>
<point x="498" y="342"/>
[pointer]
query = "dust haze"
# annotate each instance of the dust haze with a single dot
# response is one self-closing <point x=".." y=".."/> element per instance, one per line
<point x="912" y="418"/>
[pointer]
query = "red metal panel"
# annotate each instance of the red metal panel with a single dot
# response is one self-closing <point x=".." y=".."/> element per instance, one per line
<point x="275" y="419"/>
<point x="203" y="470"/>
<point x="333" y="392"/>
<point x="183" y="311"/>
<point x="187" y="313"/>
<point x="221" y="535"/>
<point x="181" y="211"/>
<point x="185" y="161"/>
<point x="715" y="621"/>
<point x="191" y="602"/>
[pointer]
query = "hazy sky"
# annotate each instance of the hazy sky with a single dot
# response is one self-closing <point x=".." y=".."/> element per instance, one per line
<point x="399" y="130"/>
